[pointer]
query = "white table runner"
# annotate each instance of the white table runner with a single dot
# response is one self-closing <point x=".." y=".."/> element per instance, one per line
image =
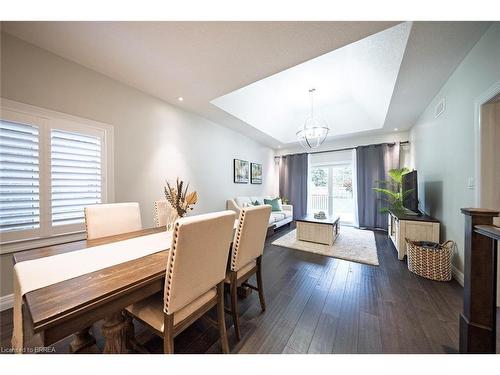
<point x="39" y="273"/>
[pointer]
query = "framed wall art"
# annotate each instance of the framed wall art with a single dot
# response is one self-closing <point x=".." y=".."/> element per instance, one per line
<point x="255" y="173"/>
<point x="241" y="171"/>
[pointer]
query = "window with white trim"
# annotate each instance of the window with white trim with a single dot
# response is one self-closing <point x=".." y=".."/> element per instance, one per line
<point x="19" y="177"/>
<point x="75" y="161"/>
<point x="50" y="169"/>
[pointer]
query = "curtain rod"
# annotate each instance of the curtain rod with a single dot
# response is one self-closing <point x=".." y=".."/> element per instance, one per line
<point x="346" y="149"/>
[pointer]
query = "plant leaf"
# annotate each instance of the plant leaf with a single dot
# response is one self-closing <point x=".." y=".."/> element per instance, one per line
<point x="192" y="198"/>
<point x="388" y="192"/>
<point x="397" y="174"/>
<point x="179" y="198"/>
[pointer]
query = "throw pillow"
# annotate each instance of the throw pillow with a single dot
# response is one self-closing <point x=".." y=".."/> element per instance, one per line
<point x="256" y="203"/>
<point x="275" y="204"/>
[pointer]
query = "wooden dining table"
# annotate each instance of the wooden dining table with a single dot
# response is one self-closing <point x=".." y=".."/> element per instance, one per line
<point x="70" y="307"/>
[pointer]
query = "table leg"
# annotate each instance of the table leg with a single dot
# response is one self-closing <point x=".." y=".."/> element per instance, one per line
<point x="115" y="330"/>
<point x="129" y="332"/>
<point x="83" y="342"/>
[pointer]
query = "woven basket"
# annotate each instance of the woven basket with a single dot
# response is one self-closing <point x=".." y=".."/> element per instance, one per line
<point x="431" y="263"/>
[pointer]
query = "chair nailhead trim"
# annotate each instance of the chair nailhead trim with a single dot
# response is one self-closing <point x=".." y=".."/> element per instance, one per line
<point x="236" y="244"/>
<point x="85" y="219"/>
<point x="156" y="214"/>
<point x="155" y="217"/>
<point x="171" y="266"/>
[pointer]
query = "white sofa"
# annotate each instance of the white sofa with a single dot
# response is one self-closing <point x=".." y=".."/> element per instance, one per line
<point x="277" y="218"/>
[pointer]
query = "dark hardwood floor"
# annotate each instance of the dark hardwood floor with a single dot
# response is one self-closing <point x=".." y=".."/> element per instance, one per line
<point x="317" y="304"/>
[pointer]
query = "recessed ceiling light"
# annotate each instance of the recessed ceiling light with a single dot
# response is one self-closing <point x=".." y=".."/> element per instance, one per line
<point x="180" y="98"/>
<point x="396" y="129"/>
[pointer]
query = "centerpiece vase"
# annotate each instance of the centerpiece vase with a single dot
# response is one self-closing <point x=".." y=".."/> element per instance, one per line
<point x="172" y="217"/>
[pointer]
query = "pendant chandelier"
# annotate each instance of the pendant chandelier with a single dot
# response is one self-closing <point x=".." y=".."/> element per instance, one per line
<point x="315" y="129"/>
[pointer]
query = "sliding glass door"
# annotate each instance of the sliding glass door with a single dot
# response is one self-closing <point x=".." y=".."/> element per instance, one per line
<point x="342" y="192"/>
<point x="320" y="190"/>
<point x="331" y="187"/>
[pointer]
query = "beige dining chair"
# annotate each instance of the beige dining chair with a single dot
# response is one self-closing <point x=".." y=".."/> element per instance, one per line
<point x="246" y="256"/>
<point x="163" y="212"/>
<point x="194" y="281"/>
<point x="103" y="220"/>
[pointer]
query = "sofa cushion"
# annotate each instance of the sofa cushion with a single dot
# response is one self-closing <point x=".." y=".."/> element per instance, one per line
<point x="275" y="204"/>
<point x="287" y="214"/>
<point x="243" y="201"/>
<point x="257" y="199"/>
<point x="278" y="215"/>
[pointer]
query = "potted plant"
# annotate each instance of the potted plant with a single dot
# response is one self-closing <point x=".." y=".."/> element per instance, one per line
<point x="392" y="191"/>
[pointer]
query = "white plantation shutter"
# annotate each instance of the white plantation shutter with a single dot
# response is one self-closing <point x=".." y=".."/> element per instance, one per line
<point x="19" y="177"/>
<point x="76" y="175"/>
<point x="52" y="166"/>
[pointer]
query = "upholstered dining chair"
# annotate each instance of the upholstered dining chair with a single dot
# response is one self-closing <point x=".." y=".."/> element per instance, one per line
<point x="164" y="215"/>
<point x="161" y="212"/>
<point x="246" y="256"/>
<point x="103" y="220"/>
<point x="194" y="282"/>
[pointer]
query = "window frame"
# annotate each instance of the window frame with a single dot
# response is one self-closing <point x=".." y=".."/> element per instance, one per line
<point x="46" y="120"/>
<point x="22" y="118"/>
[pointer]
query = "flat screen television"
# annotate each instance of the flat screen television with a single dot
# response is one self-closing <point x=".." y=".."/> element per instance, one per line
<point x="409" y="182"/>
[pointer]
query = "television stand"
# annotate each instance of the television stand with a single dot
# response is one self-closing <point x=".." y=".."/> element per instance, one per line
<point x="414" y="227"/>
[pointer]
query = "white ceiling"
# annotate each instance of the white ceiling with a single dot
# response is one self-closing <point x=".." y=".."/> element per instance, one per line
<point x="202" y="61"/>
<point x="354" y="86"/>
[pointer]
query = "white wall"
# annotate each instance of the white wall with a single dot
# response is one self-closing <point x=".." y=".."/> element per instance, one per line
<point x="443" y="149"/>
<point x="154" y="140"/>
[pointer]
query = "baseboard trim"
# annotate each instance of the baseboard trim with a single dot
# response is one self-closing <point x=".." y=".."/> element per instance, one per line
<point x="457" y="275"/>
<point x="6" y="302"/>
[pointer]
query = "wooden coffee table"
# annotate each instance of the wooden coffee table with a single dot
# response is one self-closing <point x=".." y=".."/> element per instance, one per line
<point x="324" y="231"/>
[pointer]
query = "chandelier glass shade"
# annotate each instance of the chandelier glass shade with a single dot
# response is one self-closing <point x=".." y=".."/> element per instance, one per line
<point x="315" y="129"/>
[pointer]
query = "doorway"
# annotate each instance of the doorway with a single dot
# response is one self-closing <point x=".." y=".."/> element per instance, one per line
<point x="331" y="185"/>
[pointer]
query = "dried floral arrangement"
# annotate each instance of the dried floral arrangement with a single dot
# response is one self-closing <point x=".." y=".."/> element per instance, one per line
<point x="179" y="198"/>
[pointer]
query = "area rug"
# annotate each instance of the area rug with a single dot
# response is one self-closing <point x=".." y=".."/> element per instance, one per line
<point x="352" y="244"/>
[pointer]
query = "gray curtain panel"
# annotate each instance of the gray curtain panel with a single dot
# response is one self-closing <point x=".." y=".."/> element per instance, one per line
<point x="372" y="164"/>
<point x="293" y="182"/>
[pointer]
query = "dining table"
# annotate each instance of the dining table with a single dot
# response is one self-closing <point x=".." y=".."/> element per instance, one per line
<point x="72" y="306"/>
<point x="54" y="312"/>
